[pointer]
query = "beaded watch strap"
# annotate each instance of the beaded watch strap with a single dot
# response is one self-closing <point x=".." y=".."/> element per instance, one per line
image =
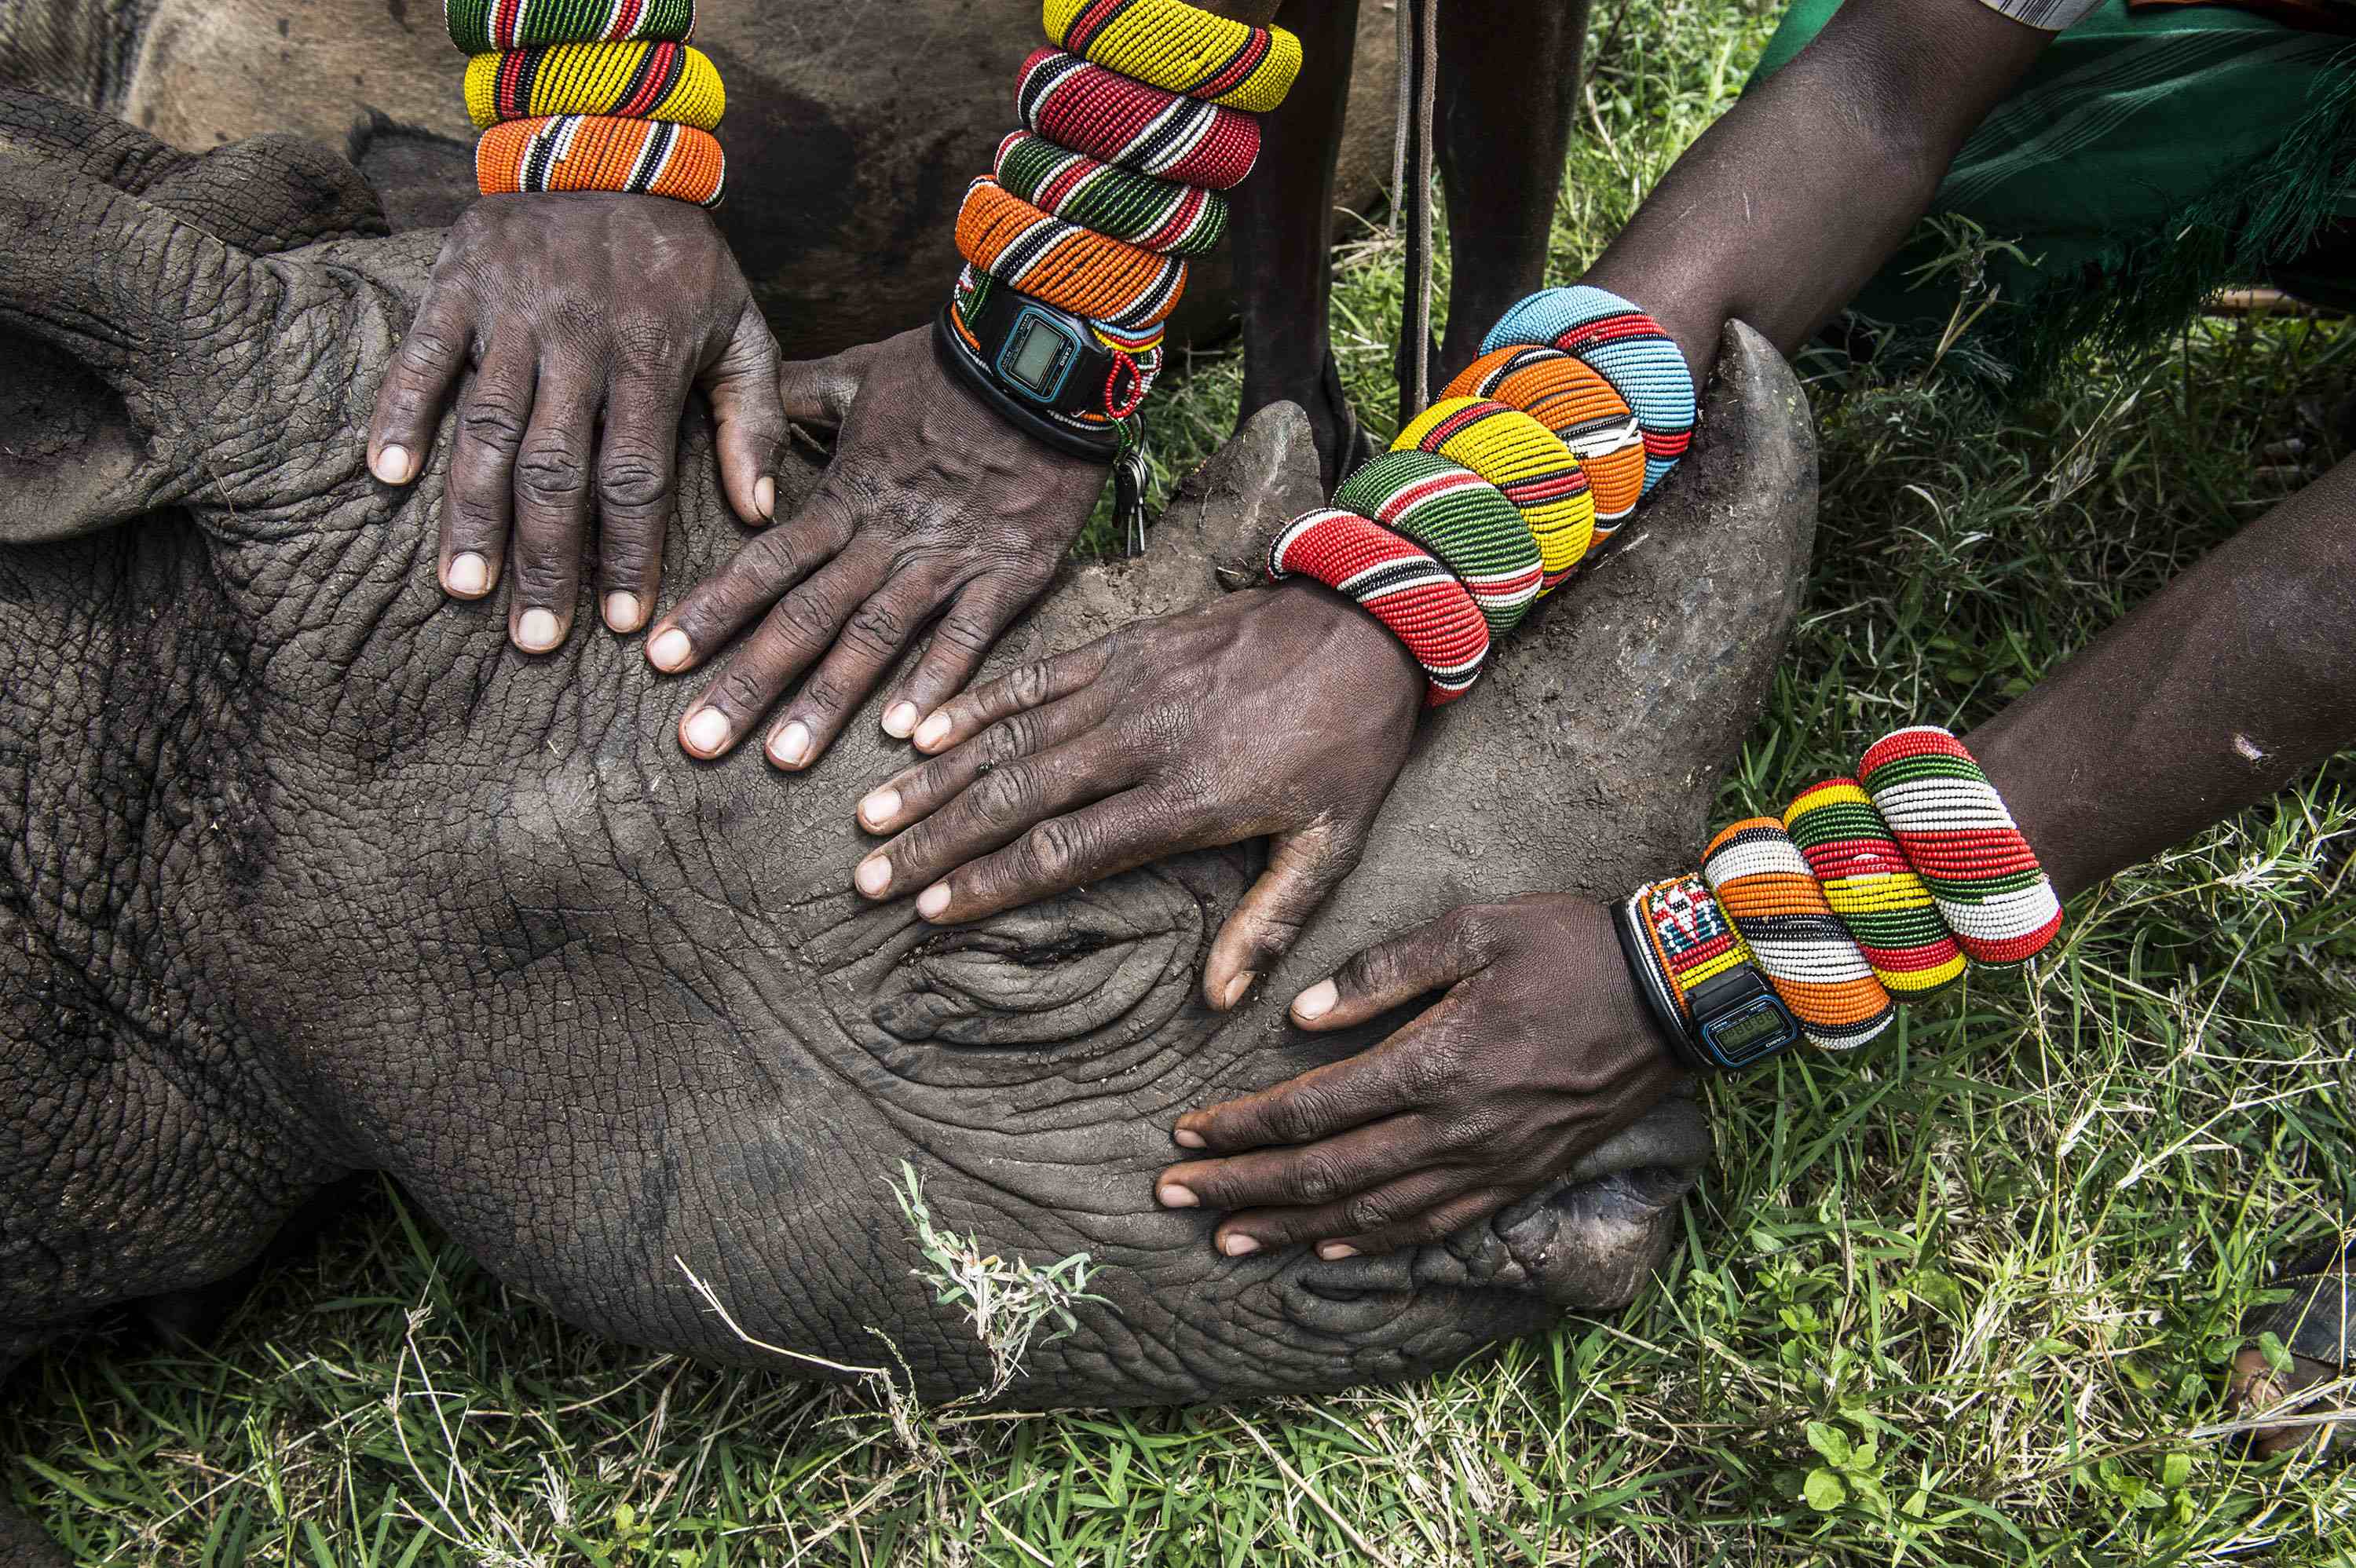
<point x="1686" y="938"/>
<point x="1399" y="584"/>
<point x="1146" y="129"/>
<point x="1170" y="44"/>
<point x="585" y="152"/>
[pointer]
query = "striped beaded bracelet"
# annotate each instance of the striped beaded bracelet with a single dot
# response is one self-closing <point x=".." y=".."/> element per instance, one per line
<point x="1535" y="473"/>
<point x="669" y="81"/>
<point x="1071" y="268"/>
<point x="1865" y="895"/>
<point x="1631" y="350"/>
<point x="1146" y="129"/>
<point x="1398" y="583"/>
<point x="1571" y="399"/>
<point x="1183" y="49"/>
<point x="1155" y="215"/>
<point x="591" y="152"/>
<point x="482" y="27"/>
<point x="1461" y="519"/>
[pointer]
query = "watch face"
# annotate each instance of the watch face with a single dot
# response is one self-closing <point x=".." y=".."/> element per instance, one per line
<point x="1037" y="355"/>
<point x="1756" y="1029"/>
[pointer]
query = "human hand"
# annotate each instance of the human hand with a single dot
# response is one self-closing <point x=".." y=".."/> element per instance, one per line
<point x="577" y="308"/>
<point x="1539" y="1051"/>
<point x="932" y="503"/>
<point x="1284" y="712"/>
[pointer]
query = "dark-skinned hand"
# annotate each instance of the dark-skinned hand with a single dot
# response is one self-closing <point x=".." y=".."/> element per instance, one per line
<point x="577" y="310"/>
<point x="1538" y="1051"/>
<point x="932" y="505"/>
<point x="1284" y="712"/>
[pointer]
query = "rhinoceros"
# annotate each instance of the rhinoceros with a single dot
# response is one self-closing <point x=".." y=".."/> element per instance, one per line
<point x="850" y="134"/>
<point x="309" y="872"/>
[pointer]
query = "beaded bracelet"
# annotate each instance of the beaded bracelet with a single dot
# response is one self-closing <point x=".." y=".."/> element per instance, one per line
<point x="1146" y="129"/>
<point x="1155" y="215"/>
<point x="670" y="82"/>
<point x="1170" y="44"/>
<point x="1627" y="347"/>
<point x="590" y="151"/>
<point x="1400" y="585"/>
<point x="1571" y="399"/>
<point x="1070" y="267"/>
<point x="1543" y="426"/>
<point x="1864" y="895"/>
<point x="1461" y="519"/>
<point x="1535" y="473"/>
<point x="480" y="27"/>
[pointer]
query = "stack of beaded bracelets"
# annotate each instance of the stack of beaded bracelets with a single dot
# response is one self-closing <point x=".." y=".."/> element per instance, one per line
<point x="1577" y="409"/>
<point x="1134" y="120"/>
<point x="590" y="95"/>
<point x="1870" y="890"/>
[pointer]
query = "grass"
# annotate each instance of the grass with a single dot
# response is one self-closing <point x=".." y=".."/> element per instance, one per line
<point x="1970" y="1291"/>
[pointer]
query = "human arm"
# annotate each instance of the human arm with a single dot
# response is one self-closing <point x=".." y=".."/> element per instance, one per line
<point x="2234" y="678"/>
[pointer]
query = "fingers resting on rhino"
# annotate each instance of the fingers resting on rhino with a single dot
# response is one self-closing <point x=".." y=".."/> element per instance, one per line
<point x="1282" y="713"/>
<point x="1536" y="1052"/>
<point x="587" y="319"/>
<point x="933" y="512"/>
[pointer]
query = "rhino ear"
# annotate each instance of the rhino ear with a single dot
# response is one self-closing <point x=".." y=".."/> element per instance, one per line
<point x="119" y="338"/>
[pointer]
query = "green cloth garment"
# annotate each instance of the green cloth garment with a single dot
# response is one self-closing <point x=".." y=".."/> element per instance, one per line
<point x="2149" y="157"/>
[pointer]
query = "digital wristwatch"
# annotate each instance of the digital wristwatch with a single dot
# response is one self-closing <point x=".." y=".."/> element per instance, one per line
<point x="1732" y="1021"/>
<point x="1042" y="368"/>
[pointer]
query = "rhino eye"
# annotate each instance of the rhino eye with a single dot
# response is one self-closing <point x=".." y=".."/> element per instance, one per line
<point x="1118" y="958"/>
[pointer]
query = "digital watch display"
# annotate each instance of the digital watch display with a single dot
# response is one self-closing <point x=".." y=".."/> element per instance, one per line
<point x="1039" y="355"/>
<point x="1739" y="1022"/>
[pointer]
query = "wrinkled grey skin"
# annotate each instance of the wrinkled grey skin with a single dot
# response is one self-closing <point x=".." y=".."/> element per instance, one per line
<point x="850" y="133"/>
<point x="307" y="871"/>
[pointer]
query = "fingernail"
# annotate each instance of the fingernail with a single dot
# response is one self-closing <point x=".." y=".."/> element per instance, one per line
<point x="391" y="465"/>
<point x="536" y="632"/>
<point x="669" y="650"/>
<point x="765" y="497"/>
<point x="1239" y="1246"/>
<point x="880" y="807"/>
<point x="707" y="732"/>
<point x="790" y="744"/>
<point x="1334" y="1251"/>
<point x="1316" y="1001"/>
<point x="468" y="575"/>
<point x="1186" y="1137"/>
<point x="899" y="718"/>
<point x="1173" y="1196"/>
<point x="873" y="876"/>
<point x="932" y="900"/>
<point x="621" y="612"/>
<point x="930" y="732"/>
<point x="1235" y="989"/>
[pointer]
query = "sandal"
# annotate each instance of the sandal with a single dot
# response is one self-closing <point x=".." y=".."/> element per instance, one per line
<point x="2317" y="1327"/>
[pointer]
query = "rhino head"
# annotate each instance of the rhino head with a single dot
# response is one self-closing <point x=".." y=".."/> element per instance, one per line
<point x="310" y="872"/>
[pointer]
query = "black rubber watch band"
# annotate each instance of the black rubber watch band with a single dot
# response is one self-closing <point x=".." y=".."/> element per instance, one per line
<point x="1671" y="1028"/>
<point x="1072" y="443"/>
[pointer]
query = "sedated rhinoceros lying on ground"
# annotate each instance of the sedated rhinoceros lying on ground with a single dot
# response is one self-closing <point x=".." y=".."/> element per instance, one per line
<point x="308" y="871"/>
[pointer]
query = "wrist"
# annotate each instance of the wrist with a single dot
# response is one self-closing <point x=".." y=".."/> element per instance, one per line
<point x="1344" y="637"/>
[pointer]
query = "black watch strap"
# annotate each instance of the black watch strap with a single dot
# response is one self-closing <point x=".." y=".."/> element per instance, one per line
<point x="1029" y="420"/>
<point x="1666" y="1019"/>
